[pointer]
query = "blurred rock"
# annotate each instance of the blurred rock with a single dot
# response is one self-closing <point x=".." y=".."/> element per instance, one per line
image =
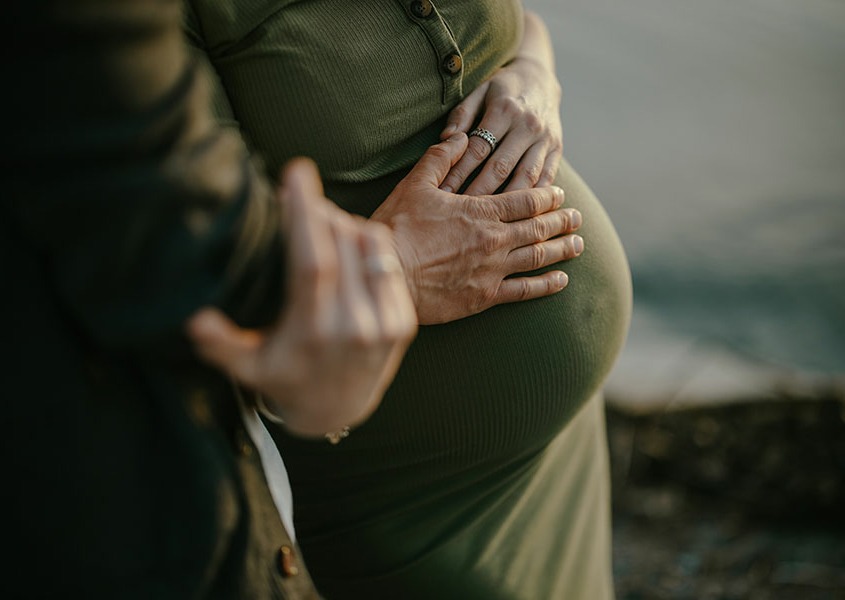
<point x="743" y="500"/>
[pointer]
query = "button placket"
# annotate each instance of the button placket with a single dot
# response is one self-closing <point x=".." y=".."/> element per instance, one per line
<point x="422" y="9"/>
<point x="446" y="52"/>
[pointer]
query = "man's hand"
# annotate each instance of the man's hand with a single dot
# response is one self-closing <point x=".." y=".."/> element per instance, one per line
<point x="326" y="362"/>
<point x="457" y="250"/>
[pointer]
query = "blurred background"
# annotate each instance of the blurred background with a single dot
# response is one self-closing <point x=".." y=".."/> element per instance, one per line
<point x="714" y="134"/>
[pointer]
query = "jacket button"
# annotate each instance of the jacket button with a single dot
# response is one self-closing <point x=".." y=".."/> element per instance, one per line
<point x="287" y="562"/>
<point x="199" y="408"/>
<point x="242" y="443"/>
<point x="452" y="64"/>
<point x="421" y="8"/>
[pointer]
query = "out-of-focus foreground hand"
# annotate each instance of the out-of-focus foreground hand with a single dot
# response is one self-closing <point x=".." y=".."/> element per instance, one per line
<point x="337" y="344"/>
<point x="520" y="106"/>
<point x="457" y="250"/>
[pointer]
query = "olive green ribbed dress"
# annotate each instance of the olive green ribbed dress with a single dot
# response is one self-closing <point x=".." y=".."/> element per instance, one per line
<point x="484" y="472"/>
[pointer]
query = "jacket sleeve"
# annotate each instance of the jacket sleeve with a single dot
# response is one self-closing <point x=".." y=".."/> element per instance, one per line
<point x="138" y="206"/>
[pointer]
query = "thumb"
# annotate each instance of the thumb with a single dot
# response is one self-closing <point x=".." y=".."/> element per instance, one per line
<point x="439" y="159"/>
<point x="300" y="177"/>
<point x="221" y="343"/>
<point x="466" y="112"/>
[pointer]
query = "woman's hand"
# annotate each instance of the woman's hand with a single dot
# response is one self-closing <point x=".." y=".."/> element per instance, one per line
<point x="459" y="251"/>
<point x="338" y="342"/>
<point x="520" y="106"/>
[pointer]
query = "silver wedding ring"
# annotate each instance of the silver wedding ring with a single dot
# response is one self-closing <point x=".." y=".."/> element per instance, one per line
<point x="486" y="136"/>
<point x="378" y="264"/>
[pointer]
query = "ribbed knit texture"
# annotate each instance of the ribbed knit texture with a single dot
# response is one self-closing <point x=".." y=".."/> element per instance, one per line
<point x="483" y="473"/>
<point x="355" y="85"/>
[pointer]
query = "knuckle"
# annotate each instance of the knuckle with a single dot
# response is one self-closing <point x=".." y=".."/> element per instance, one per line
<point x="532" y="173"/>
<point x="524" y="204"/>
<point x="563" y="248"/>
<point x="315" y="344"/>
<point x="453" y="180"/>
<point x="478" y="149"/>
<point x="439" y="151"/>
<point x="533" y="123"/>
<point x="524" y="290"/>
<point x="360" y="337"/>
<point x="541" y="229"/>
<point x="564" y="221"/>
<point x="459" y="113"/>
<point x="502" y="166"/>
<point x="535" y="203"/>
<point x="490" y="211"/>
<point x="573" y="219"/>
<point x="509" y="106"/>
<point x="538" y="256"/>
<point x="313" y="274"/>
<point x="488" y="242"/>
<point x="485" y="299"/>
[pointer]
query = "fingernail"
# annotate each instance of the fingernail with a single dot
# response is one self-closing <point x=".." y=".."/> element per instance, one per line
<point x="447" y="188"/>
<point x="558" y="194"/>
<point x="578" y="244"/>
<point x="450" y="129"/>
<point x="562" y="279"/>
<point x="456" y="137"/>
<point x="575" y="219"/>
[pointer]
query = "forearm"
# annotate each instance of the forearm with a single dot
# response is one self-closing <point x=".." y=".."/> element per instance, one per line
<point x="536" y="45"/>
<point x="140" y="206"/>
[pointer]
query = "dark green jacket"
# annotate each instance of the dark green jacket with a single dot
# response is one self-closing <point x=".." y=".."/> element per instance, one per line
<point x="124" y="209"/>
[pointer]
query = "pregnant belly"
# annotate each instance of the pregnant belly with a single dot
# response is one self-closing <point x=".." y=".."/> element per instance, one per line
<point x="470" y="415"/>
<point x="506" y="381"/>
<point x="478" y="393"/>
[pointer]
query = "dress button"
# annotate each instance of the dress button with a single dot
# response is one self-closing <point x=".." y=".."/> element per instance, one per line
<point x="421" y="8"/>
<point x="287" y="562"/>
<point x="452" y="64"/>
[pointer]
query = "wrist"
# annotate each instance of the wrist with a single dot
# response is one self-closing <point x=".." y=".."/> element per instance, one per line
<point x="540" y="70"/>
<point x="535" y="72"/>
<point x="332" y="435"/>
